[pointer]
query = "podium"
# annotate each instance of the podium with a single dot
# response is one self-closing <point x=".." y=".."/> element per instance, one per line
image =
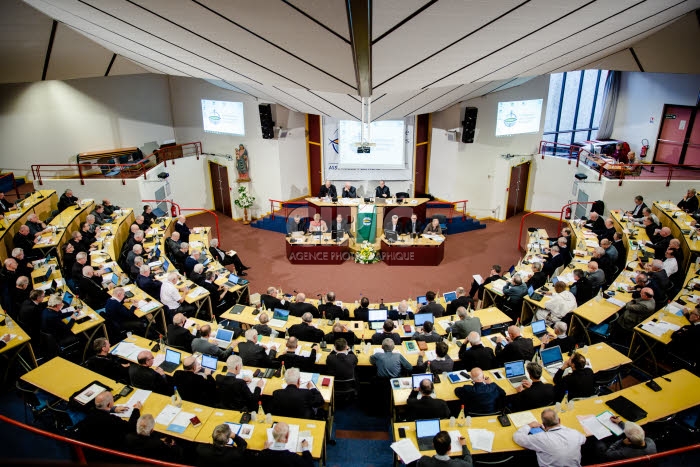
<point x="349" y="208"/>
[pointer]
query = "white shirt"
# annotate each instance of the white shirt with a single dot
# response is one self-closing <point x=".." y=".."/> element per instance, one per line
<point x="558" y="306"/>
<point x="670" y="266"/>
<point x="558" y="447"/>
<point x="169" y="295"/>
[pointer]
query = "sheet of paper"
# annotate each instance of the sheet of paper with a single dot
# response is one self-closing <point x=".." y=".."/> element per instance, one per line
<point x="479" y="280"/>
<point x="305" y="436"/>
<point x="127" y="350"/>
<point x="180" y="422"/>
<point x="89" y="394"/>
<point x="652" y="328"/>
<point x="481" y="439"/>
<point x="254" y="383"/>
<point x="455" y="445"/>
<point x="522" y="418"/>
<point x="167" y="415"/>
<point x="604" y="418"/>
<point x="292" y="440"/>
<point x="616" y="302"/>
<point x="406" y="450"/>
<point x="140" y="395"/>
<point x="592" y="426"/>
<point x="668" y="326"/>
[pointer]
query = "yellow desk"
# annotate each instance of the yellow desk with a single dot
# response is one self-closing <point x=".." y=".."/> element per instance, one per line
<point x="19" y="342"/>
<point x="151" y="315"/>
<point x="66" y="223"/>
<point x="72" y="378"/>
<point x="89" y="328"/>
<point x="40" y="203"/>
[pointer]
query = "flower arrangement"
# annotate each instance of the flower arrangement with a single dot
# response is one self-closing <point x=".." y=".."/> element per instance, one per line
<point x="244" y="199"/>
<point x="367" y="254"/>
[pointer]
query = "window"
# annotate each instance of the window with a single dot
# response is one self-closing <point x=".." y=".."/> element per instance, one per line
<point x="574" y="106"/>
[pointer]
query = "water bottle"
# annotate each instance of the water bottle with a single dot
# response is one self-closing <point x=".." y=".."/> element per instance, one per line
<point x="461" y="420"/>
<point x="10" y="324"/>
<point x="565" y="402"/>
<point x="469" y="420"/>
<point x="284" y="370"/>
<point x="261" y="413"/>
<point x="175" y="399"/>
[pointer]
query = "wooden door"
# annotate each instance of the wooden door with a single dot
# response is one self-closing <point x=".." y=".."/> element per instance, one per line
<point x="692" y="151"/>
<point x="220" y="188"/>
<point x="420" y="167"/>
<point x="517" y="190"/>
<point x="672" y="134"/>
<point x="313" y="128"/>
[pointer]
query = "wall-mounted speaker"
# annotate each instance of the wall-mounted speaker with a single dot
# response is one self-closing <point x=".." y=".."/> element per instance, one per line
<point x="469" y="124"/>
<point x="266" y="123"/>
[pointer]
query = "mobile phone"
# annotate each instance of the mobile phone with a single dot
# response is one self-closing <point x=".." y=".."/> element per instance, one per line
<point x="245" y="418"/>
<point x="653" y="385"/>
<point x="257" y="373"/>
<point x="497" y="374"/>
<point x="126" y="391"/>
<point x="148" y="299"/>
<point x="155" y="348"/>
<point x="396" y="383"/>
<point x="195" y="421"/>
<point x="224" y="369"/>
<point x="503" y="420"/>
<point x="402" y="432"/>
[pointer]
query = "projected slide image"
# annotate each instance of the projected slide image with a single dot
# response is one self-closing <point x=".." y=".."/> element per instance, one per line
<point x="517" y="117"/>
<point x="387" y="135"/>
<point x="223" y="117"/>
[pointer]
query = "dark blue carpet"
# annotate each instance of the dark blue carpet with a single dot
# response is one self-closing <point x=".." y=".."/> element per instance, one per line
<point x="352" y="452"/>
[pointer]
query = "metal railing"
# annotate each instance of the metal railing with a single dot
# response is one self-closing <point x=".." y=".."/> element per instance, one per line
<point x="561" y="219"/>
<point x="123" y="171"/>
<point x="571" y="150"/>
<point x="79" y="446"/>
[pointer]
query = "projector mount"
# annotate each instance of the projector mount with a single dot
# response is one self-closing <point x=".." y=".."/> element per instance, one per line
<point x="364" y="145"/>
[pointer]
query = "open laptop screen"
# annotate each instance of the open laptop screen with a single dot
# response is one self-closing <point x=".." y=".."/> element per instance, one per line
<point x="516" y="368"/>
<point x="166" y="265"/>
<point x="530" y="291"/>
<point x="279" y="313"/>
<point x="421" y="318"/>
<point x="376" y="325"/>
<point x="233" y="279"/>
<point x="427" y="428"/>
<point x="421" y="300"/>
<point x="67" y="298"/>
<point x="539" y="327"/>
<point x="416" y="379"/>
<point x="209" y="362"/>
<point x="377" y="315"/>
<point x="172" y="356"/>
<point x="450" y="296"/>
<point x="551" y="355"/>
<point x="224" y="335"/>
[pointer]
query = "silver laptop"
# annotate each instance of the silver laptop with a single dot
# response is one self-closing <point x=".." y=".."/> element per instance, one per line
<point x="515" y="372"/>
<point x="223" y="338"/>
<point x="552" y="359"/>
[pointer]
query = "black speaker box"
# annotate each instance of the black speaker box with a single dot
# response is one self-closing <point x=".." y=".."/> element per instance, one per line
<point x="266" y="123"/>
<point x="469" y="124"/>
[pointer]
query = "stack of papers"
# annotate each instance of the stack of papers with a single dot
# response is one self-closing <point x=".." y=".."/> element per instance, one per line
<point x="127" y="350"/>
<point x="197" y="292"/>
<point x="522" y="418"/>
<point x="481" y="439"/>
<point x="89" y="394"/>
<point x="168" y="414"/>
<point x="245" y="431"/>
<point x="145" y="306"/>
<point x="659" y="328"/>
<point x="406" y="450"/>
<point x="675" y="308"/>
<point x="140" y="395"/>
<point x="455" y="445"/>
<point x="567" y="278"/>
<point x="180" y="422"/>
<point x="616" y="302"/>
<point x="498" y="285"/>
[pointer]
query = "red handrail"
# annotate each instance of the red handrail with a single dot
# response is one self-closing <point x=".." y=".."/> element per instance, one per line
<point x="561" y="219"/>
<point x="463" y="202"/>
<point x="272" y="207"/>
<point x="79" y="445"/>
<point x="138" y="168"/>
<point x="649" y="457"/>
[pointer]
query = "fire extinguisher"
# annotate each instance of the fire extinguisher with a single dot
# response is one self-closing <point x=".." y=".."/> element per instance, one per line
<point x="567" y="212"/>
<point x="645" y="148"/>
<point x="174" y="210"/>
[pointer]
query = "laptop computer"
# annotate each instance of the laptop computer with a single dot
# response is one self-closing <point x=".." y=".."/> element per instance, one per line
<point x="115" y="279"/>
<point x="231" y="281"/>
<point x="539" y="328"/>
<point x="450" y="296"/>
<point x="67" y="299"/>
<point x="223" y="337"/>
<point x="379" y="201"/>
<point x="511" y="271"/>
<point x="515" y="372"/>
<point x="165" y="265"/>
<point x="45" y="277"/>
<point x="416" y="379"/>
<point x="279" y="318"/>
<point x="209" y="362"/>
<point x="534" y="295"/>
<point x="171" y="362"/>
<point x="376" y="325"/>
<point x="421" y="318"/>
<point x="377" y="315"/>
<point x="552" y="359"/>
<point x="425" y="431"/>
<point x="421" y="300"/>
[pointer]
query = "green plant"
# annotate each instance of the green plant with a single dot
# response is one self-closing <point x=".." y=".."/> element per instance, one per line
<point x="244" y="200"/>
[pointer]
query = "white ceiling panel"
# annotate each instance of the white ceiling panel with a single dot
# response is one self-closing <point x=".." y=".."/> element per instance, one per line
<point x="24" y="39"/>
<point x="330" y="13"/>
<point x="69" y="62"/>
<point x="387" y="14"/>
<point x="124" y="66"/>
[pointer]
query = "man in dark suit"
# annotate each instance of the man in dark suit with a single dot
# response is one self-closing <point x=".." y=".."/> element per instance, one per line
<point x="67" y="199"/>
<point x="182" y="228"/>
<point x="532" y="393"/>
<point x="145" y="442"/>
<point x="219" y="453"/>
<point x="191" y="262"/>
<point x="481" y="397"/>
<point x="144" y="376"/>
<point x="478" y="289"/>
<point x="690" y="202"/>
<point x="225" y="258"/>
<point x="462" y="300"/>
<point x="253" y="354"/>
<point x="290" y="359"/>
<point x="413" y="226"/>
<point x="516" y="347"/>
<point x="332" y="311"/>
<point x="562" y="339"/>
<point x="539" y="278"/>
<point x="684" y="342"/>
<point x="29" y="315"/>
<point x="339" y="225"/>
<point x="119" y="316"/>
<point x="301" y="306"/>
<point x="77" y="241"/>
<point x="190" y="384"/>
<point x="23" y="239"/>
<point x="105" y="363"/>
<point x="660" y="243"/>
<point x="362" y="312"/>
<point x="349" y="191"/>
<point x="432" y="307"/>
<point x="378" y="337"/>
<point x="52" y="321"/>
<point x="619" y="245"/>
<point x="305" y="331"/>
<point x="638" y="211"/>
<point x="233" y="392"/>
<point x="425" y="407"/>
<point x="271" y="301"/>
<point x="5" y="205"/>
<point x="553" y="261"/>
<point x="382" y="191"/>
<point x="579" y="383"/>
<point x="146" y="283"/>
<point x="608" y="231"/>
<point x="443" y="445"/>
<point x="178" y="335"/>
<point x="476" y="355"/>
<point x="293" y="401"/>
<point x="328" y="190"/>
<point x="276" y="452"/>
<point x="582" y="288"/>
<point x="101" y="428"/>
<point x="295" y="224"/>
<point x="172" y="244"/>
<point x="91" y="290"/>
<point x="393" y="224"/>
<point x="340" y="331"/>
<point x="595" y="223"/>
<point x="341" y="362"/>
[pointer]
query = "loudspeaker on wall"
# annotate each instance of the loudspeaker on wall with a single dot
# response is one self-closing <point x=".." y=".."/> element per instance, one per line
<point x="266" y="123"/>
<point x="469" y="124"/>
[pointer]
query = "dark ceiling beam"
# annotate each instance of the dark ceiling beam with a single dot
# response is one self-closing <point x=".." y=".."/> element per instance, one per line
<point x="360" y="25"/>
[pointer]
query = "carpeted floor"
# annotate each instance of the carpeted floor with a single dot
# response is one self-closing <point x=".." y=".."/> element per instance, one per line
<point x="466" y="254"/>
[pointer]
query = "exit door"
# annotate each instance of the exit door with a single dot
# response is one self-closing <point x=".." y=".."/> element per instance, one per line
<point x="517" y="190"/>
<point x="675" y="128"/>
<point x="220" y="188"/>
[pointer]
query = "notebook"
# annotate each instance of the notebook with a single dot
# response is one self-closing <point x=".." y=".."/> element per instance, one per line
<point x="539" y="328"/>
<point x="209" y="362"/>
<point x="171" y="362"/>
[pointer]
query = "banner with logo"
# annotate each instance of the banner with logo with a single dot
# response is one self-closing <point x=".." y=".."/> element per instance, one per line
<point x="366" y="223"/>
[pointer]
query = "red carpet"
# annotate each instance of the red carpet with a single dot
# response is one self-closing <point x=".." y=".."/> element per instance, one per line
<point x="465" y="254"/>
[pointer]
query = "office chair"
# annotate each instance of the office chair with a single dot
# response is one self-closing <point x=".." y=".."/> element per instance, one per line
<point x="602" y="330"/>
<point x="443" y="221"/>
<point x="606" y="378"/>
<point x="31" y="401"/>
<point x="50" y="347"/>
<point x="345" y="390"/>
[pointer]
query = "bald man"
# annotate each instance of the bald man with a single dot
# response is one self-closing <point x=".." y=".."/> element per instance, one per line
<point x="481" y="397"/>
<point x="144" y="376"/>
<point x="182" y="229"/>
<point x="103" y="429"/>
<point x="660" y="243"/>
<point x="637" y="310"/>
<point x="513" y="347"/>
<point x="190" y="384"/>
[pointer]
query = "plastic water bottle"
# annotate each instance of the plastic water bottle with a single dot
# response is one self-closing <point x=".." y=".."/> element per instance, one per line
<point x="261" y="413"/>
<point x="461" y="419"/>
<point x="10" y="324"/>
<point x="175" y="399"/>
<point x="469" y="421"/>
<point x="284" y="370"/>
<point x="565" y="402"/>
